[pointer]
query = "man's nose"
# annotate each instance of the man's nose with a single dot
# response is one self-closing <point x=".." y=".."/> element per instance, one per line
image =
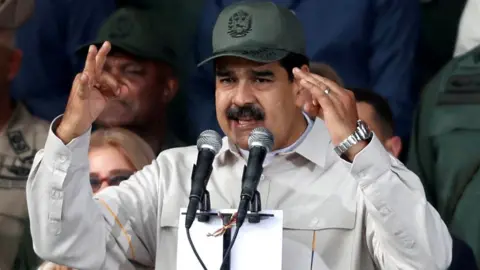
<point x="103" y="185"/>
<point x="244" y="95"/>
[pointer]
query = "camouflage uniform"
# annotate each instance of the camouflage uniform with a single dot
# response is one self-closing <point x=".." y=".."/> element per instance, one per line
<point x="20" y="139"/>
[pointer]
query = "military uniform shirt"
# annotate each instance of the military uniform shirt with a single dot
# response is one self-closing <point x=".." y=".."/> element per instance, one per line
<point x="368" y="214"/>
<point x="23" y="135"/>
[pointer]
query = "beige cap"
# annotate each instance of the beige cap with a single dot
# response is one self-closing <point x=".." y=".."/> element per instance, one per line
<point x="13" y="13"/>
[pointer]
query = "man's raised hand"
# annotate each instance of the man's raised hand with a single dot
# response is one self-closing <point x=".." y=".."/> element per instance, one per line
<point x="91" y="90"/>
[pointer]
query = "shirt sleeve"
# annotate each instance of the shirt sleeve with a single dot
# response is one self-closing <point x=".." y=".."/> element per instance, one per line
<point x="70" y="227"/>
<point x="403" y="230"/>
<point x="468" y="32"/>
<point x="393" y="43"/>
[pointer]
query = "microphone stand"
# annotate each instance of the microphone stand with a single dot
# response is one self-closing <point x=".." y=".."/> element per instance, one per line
<point x="204" y="208"/>
<point x="255" y="208"/>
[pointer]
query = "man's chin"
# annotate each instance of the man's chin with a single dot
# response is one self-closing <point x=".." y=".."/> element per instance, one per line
<point x="112" y="121"/>
<point x="242" y="129"/>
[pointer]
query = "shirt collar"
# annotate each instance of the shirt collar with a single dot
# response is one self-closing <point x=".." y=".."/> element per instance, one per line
<point x="314" y="144"/>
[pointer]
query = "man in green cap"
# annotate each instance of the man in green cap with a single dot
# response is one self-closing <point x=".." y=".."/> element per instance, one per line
<point x="334" y="181"/>
<point x="143" y="62"/>
<point x="21" y="135"/>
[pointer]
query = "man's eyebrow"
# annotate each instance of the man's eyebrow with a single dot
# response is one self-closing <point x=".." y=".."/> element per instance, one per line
<point x="120" y="171"/>
<point x="262" y="73"/>
<point x="222" y="72"/>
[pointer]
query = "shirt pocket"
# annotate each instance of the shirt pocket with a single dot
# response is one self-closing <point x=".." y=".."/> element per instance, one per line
<point x="328" y="228"/>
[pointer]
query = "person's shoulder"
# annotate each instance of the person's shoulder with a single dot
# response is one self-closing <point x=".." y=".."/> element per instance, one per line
<point x="179" y="154"/>
<point x="40" y="124"/>
<point x="41" y="128"/>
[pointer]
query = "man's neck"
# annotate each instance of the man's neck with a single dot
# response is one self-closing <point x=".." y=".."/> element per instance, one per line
<point x="154" y="135"/>
<point x="298" y="130"/>
<point x="6" y="110"/>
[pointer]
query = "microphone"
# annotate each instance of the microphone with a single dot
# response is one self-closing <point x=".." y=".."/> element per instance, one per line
<point x="260" y="142"/>
<point x="208" y="144"/>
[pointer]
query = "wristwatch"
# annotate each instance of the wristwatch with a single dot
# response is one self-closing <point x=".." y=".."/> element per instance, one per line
<point x="362" y="133"/>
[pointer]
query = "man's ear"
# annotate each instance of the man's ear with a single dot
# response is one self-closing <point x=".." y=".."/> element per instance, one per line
<point x="394" y="146"/>
<point x="14" y="64"/>
<point x="171" y="90"/>
<point x="305" y="68"/>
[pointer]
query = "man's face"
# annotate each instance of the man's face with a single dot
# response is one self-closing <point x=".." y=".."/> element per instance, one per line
<point x="10" y="60"/>
<point x="367" y="113"/>
<point x="150" y="88"/>
<point x="250" y="94"/>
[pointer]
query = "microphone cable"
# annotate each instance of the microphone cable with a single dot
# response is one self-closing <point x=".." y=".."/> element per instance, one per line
<point x="195" y="250"/>
<point x="229" y="249"/>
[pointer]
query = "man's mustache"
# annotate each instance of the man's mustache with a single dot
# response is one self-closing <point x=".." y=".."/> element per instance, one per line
<point x="250" y="111"/>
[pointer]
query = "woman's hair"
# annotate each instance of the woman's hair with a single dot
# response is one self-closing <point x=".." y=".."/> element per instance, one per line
<point x="134" y="148"/>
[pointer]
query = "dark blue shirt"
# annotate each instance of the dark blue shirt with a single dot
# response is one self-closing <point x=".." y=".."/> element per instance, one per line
<point x="49" y="41"/>
<point x="370" y="43"/>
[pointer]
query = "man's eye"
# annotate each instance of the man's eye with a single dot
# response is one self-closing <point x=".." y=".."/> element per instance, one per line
<point x="227" y="80"/>
<point x="134" y="70"/>
<point x="262" y="80"/>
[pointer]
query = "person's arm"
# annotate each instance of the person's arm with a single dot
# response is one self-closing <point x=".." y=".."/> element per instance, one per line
<point x="403" y="230"/>
<point x="421" y="151"/>
<point x="69" y="227"/>
<point x="468" y="32"/>
<point x="393" y="43"/>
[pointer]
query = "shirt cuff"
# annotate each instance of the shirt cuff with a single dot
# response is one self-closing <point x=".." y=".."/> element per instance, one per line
<point x="63" y="157"/>
<point x="370" y="163"/>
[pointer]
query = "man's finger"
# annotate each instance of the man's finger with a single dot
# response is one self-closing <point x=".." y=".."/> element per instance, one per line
<point x="312" y="110"/>
<point x="333" y="86"/>
<point x="300" y="74"/>
<point x="302" y="97"/>
<point x="81" y="85"/>
<point x="109" y="86"/>
<point x="319" y="97"/>
<point x="90" y="61"/>
<point x="101" y="57"/>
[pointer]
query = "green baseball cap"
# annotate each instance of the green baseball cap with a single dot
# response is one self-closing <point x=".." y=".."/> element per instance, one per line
<point x="258" y="31"/>
<point x="138" y="32"/>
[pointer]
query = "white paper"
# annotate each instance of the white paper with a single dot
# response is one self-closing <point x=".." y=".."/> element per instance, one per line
<point x="210" y="249"/>
<point x="258" y="246"/>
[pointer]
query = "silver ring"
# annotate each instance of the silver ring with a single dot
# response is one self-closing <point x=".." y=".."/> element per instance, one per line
<point x="327" y="91"/>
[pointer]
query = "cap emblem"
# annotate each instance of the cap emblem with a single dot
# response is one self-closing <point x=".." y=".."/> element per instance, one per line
<point x="239" y="24"/>
<point x="121" y="28"/>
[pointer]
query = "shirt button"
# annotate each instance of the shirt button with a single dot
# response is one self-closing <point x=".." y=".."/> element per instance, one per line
<point x="262" y="177"/>
<point x="56" y="195"/>
<point x="62" y="158"/>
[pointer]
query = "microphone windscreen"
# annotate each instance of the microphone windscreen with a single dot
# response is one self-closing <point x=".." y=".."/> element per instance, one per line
<point x="209" y="139"/>
<point x="261" y="136"/>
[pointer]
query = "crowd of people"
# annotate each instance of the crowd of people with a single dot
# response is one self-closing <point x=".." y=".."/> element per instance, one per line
<point x="139" y="92"/>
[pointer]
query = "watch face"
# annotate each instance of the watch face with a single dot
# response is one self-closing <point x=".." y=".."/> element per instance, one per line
<point x="364" y="131"/>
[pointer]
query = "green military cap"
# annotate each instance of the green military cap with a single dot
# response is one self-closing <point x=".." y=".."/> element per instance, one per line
<point x="258" y="31"/>
<point x="138" y="32"/>
<point x="13" y="13"/>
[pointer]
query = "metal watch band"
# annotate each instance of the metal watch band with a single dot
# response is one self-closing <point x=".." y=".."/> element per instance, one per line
<point x="346" y="144"/>
<point x="362" y="133"/>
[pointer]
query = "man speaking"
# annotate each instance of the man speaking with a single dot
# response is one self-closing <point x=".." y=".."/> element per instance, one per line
<point x="332" y="177"/>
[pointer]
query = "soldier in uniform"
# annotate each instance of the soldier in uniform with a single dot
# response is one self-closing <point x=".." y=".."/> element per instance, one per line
<point x="21" y="135"/>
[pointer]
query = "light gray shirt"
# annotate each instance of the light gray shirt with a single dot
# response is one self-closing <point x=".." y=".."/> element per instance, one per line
<point x="369" y="214"/>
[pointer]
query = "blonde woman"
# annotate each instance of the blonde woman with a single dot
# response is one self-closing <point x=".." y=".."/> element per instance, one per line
<point x="114" y="155"/>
